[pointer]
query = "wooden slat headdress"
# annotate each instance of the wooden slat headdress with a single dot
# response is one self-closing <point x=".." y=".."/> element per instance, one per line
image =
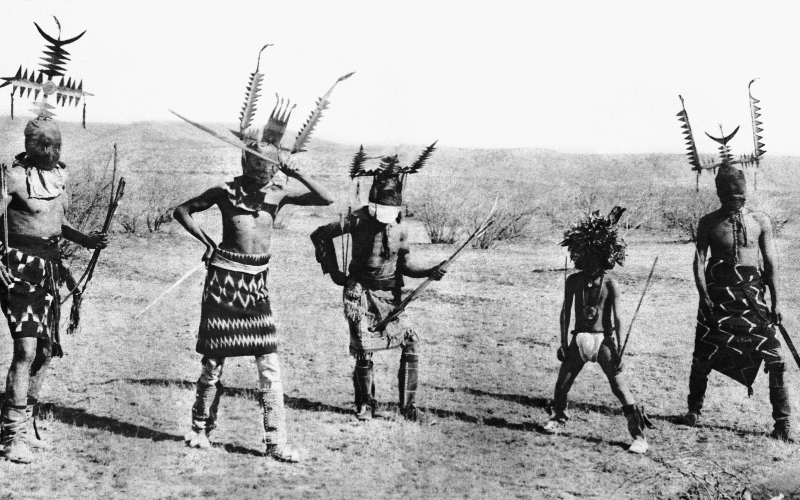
<point x="267" y="145"/>
<point x="725" y="157"/>
<point x="67" y="91"/>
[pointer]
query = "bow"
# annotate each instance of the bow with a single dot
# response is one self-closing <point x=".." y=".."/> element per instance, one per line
<point x="479" y="231"/>
<point x="80" y="285"/>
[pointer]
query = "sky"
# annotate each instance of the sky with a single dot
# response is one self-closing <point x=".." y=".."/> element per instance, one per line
<point x="583" y="77"/>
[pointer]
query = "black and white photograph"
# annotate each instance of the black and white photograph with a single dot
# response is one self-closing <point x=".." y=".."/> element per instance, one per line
<point x="410" y="250"/>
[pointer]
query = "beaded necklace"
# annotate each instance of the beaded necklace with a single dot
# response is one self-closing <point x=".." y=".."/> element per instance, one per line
<point x="590" y="311"/>
<point x="738" y="225"/>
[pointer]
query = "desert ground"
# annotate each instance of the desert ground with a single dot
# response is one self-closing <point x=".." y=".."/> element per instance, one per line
<point x="117" y="405"/>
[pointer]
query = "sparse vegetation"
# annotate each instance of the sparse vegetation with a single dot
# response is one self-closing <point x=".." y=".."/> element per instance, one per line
<point x="443" y="206"/>
<point x="117" y="406"/>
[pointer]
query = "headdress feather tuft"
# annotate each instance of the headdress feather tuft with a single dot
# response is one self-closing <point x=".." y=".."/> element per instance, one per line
<point x="308" y="127"/>
<point x="250" y="99"/>
<point x="597" y="236"/>
<point x="357" y="166"/>
<point x="420" y="161"/>
<point x="389" y="165"/>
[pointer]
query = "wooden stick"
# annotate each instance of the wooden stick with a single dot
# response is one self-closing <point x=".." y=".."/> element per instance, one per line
<point x="171" y="288"/>
<point x="341" y="228"/>
<point x="646" y="285"/>
<point x="347" y="243"/>
<point x="4" y="186"/>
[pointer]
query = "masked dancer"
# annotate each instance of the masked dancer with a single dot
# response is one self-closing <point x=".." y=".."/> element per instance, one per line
<point x="36" y="199"/>
<point x="374" y="279"/>
<point x="734" y="323"/>
<point x="236" y="317"/>
<point x="735" y="327"/>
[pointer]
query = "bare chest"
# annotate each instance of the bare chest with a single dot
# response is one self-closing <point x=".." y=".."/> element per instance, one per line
<point x="36" y="206"/>
<point x="373" y="240"/>
<point x="726" y="233"/>
<point x="247" y="232"/>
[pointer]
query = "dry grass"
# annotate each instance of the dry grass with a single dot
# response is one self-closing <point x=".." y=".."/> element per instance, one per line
<point x="118" y="404"/>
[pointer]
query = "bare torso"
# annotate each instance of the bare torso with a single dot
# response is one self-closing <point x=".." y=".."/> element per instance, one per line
<point x="248" y="231"/>
<point x="717" y="231"/>
<point x="593" y="310"/>
<point x="244" y="231"/>
<point x="367" y="234"/>
<point x="29" y="216"/>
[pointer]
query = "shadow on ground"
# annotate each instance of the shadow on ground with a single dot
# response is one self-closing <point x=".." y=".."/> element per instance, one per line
<point x="78" y="417"/>
<point x="544" y="404"/>
<point x="309" y="405"/>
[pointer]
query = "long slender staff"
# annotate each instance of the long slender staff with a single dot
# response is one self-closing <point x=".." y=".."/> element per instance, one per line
<point x="171" y="288"/>
<point x="231" y="141"/>
<point x="563" y="326"/>
<point x="4" y="182"/>
<point x="347" y="242"/>
<point x="636" y="313"/>
<point x="789" y="342"/>
<point x="481" y="229"/>
<point x="341" y="228"/>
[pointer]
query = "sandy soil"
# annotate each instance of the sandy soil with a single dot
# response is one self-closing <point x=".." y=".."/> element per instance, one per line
<point x="119" y="403"/>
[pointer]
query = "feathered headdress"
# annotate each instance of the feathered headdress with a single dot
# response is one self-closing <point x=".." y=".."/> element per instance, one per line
<point x="55" y="58"/>
<point x="388" y="177"/>
<point x="273" y="131"/>
<point x="725" y="158"/>
<point x="595" y="235"/>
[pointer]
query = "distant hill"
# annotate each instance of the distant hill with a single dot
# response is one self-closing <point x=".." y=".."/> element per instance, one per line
<point x="172" y="147"/>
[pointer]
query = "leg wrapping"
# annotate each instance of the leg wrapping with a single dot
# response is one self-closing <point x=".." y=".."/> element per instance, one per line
<point x="207" y="395"/>
<point x="637" y="420"/>
<point x="274" y="417"/>
<point x="206" y="406"/>
<point x="698" y="383"/>
<point x="407" y="384"/>
<point x="32" y="412"/>
<point x="364" y="382"/>
<point x="778" y="392"/>
<point x="15" y="424"/>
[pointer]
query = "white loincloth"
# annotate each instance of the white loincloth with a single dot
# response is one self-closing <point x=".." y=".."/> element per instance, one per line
<point x="589" y="345"/>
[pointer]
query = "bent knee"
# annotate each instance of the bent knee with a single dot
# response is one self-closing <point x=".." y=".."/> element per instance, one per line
<point x="269" y="370"/>
<point x="25" y="350"/>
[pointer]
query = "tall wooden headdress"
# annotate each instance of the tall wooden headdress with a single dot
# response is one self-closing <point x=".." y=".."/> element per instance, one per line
<point x="725" y="157"/>
<point x="67" y="91"/>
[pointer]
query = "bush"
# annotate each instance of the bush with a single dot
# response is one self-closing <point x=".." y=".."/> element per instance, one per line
<point x="781" y="210"/>
<point x="149" y="204"/>
<point x="443" y="209"/>
<point x="685" y="209"/>
<point x="510" y="222"/>
<point x="89" y="196"/>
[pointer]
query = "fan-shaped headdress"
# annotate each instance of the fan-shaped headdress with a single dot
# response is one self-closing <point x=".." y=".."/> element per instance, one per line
<point x="388" y="179"/>
<point x="67" y="91"/>
<point x="596" y="236"/>
<point x="268" y="141"/>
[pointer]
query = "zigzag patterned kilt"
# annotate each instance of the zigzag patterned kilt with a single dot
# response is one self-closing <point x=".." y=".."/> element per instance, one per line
<point x="31" y="306"/>
<point x="736" y="332"/>
<point x="236" y="318"/>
